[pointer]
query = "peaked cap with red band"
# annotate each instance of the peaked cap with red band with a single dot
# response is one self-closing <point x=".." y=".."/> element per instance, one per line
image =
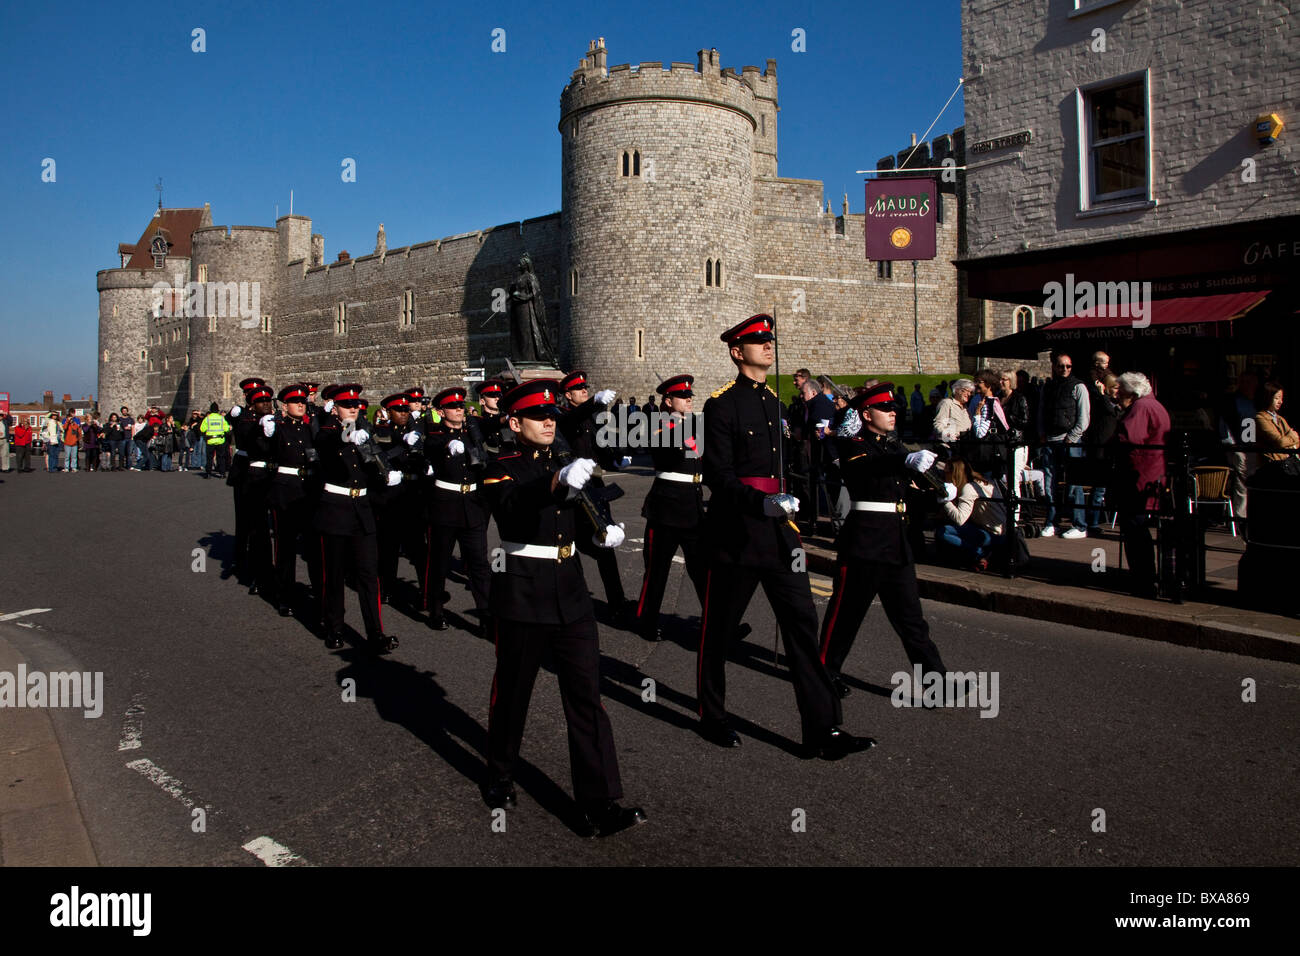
<point x="756" y="328"/>
<point x="251" y="383"/>
<point x="293" y="393"/>
<point x="679" y="386"/>
<point x="880" y="397"/>
<point x="310" y="386"/>
<point x="259" y="393"/>
<point x="450" y="396"/>
<point x="400" y="402"/>
<point x="340" y="393"/>
<point x="492" y="386"/>
<point x="575" y="379"/>
<point x="535" y="397"/>
<point x="416" y="394"/>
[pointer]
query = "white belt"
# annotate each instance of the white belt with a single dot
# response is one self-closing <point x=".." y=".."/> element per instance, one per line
<point x="286" y="470"/>
<point x="452" y="486"/>
<point x="892" y="507"/>
<point x="341" y="490"/>
<point x="257" y="464"/>
<point x="544" y="551"/>
<point x="693" y="479"/>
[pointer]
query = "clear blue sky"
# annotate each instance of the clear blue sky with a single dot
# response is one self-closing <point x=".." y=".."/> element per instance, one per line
<point x="411" y="91"/>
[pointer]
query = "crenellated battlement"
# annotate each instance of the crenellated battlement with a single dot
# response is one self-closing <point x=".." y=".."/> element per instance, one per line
<point x="593" y="84"/>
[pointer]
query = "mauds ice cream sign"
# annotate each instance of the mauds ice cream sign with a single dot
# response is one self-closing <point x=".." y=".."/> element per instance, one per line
<point x="900" y="218"/>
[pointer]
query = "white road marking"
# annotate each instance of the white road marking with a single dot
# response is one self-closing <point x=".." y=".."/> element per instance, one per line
<point x="166" y="782"/>
<point x="273" y="854"/>
<point x="132" y="730"/>
<point x="18" y="614"/>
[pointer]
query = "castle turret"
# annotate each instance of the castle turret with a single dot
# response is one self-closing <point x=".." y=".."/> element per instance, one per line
<point x="674" y="152"/>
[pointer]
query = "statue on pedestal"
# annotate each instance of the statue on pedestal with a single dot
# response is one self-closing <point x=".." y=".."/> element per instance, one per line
<point x="529" y="343"/>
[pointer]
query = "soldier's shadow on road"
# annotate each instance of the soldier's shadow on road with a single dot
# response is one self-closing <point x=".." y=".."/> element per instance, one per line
<point x="622" y="682"/>
<point x="415" y="700"/>
<point x="220" y="547"/>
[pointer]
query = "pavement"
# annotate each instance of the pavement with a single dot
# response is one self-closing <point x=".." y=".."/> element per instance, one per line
<point x="231" y="737"/>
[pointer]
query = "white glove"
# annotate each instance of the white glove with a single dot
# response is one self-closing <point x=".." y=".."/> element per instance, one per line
<point x="625" y="461"/>
<point x="415" y="416"/>
<point x="605" y="396"/>
<point x="778" y="506"/>
<point x="613" y="536"/>
<point x="920" y="461"/>
<point x="360" y="436"/>
<point x="268" y="425"/>
<point x="234" y="411"/>
<point x="455" y="447"/>
<point x="394" y="478"/>
<point x="429" y="472"/>
<point x="329" y="406"/>
<point x="411" y="438"/>
<point x="950" y="490"/>
<point x="576" y="474"/>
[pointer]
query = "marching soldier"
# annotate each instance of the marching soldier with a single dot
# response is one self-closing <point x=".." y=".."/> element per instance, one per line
<point x="541" y="602"/>
<point x="674" y="506"/>
<point x="348" y="460"/>
<point x="753" y="541"/>
<point x="872" y="552"/>
<point x="250" y="477"/>
<point x="578" y="427"/>
<point x="457" y="509"/>
<point x="293" y="494"/>
<point x="491" y="424"/>
<point x="399" y="508"/>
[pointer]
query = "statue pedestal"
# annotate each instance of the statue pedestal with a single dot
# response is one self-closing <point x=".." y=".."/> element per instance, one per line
<point x="533" y="370"/>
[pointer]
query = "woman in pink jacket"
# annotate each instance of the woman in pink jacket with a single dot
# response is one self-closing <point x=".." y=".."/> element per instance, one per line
<point x="1140" y="438"/>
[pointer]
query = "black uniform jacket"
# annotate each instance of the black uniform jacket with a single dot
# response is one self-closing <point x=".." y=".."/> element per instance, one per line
<point x="675" y="504"/>
<point x="742" y="432"/>
<point x="873" y="469"/>
<point x="527" y="511"/>
<point x="397" y="455"/>
<point x="578" y="425"/>
<point x="341" y="464"/>
<point x="456" y="509"/>
<point x="292" y="447"/>
<point x="251" y="444"/>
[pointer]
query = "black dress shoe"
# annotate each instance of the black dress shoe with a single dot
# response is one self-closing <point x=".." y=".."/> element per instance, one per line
<point x="607" y="818"/>
<point x="838" y="743"/>
<point x="334" y="642"/>
<point x="252" y="588"/>
<point x="719" y="734"/>
<point x="500" y="795"/>
<point x="438" y="623"/>
<point x="383" y="643"/>
<point x="285" y="610"/>
<point x="841" y="688"/>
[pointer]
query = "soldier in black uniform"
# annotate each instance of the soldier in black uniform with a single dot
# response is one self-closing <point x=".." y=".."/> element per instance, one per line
<point x="496" y="434"/>
<point x="579" y="429"/>
<point x="674" y="506"/>
<point x="349" y="462"/>
<point x="418" y="401"/>
<point x="540" y="602"/>
<point x="293" y="493"/>
<point x="873" y="556"/>
<point x="752" y="540"/>
<point x="457" y="508"/>
<point x="250" y="477"/>
<point x="398" y="502"/>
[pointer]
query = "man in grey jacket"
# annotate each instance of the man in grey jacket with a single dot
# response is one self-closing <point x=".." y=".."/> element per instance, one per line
<point x="1063" y="414"/>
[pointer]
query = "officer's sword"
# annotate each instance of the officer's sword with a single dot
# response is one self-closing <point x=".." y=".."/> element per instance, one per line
<point x="780" y="460"/>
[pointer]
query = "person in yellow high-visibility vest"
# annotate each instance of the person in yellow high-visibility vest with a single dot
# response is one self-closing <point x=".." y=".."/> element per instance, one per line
<point x="214" y="428"/>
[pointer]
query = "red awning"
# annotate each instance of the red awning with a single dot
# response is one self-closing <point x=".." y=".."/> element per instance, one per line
<point x="1193" y="311"/>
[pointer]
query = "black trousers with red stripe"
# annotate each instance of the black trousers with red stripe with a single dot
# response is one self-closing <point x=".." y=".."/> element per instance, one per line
<point x="473" y="554"/>
<point x="727" y="594"/>
<point x="401" y="527"/>
<point x="362" y="552"/>
<point x="661" y="544"/>
<point x="856" y="585"/>
<point x="253" y="532"/>
<point x="575" y="650"/>
<point x="292" y="523"/>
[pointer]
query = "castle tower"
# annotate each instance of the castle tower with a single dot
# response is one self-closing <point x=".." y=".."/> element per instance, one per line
<point x="657" y="223"/>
